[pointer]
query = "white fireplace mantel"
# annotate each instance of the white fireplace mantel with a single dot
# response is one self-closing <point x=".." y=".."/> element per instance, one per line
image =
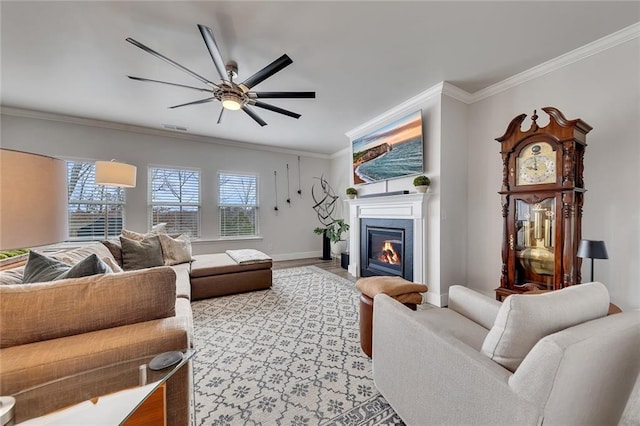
<point x="403" y="206"/>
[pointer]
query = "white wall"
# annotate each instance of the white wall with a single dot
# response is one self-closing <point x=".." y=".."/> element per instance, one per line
<point x="604" y="91"/>
<point x="464" y="221"/>
<point x="285" y="235"/>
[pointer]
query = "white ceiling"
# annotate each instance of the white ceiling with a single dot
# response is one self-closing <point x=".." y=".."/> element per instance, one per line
<point x="361" y="58"/>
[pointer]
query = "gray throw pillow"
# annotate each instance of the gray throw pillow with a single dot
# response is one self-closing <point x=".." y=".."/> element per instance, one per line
<point x="92" y="265"/>
<point x="145" y="253"/>
<point x="41" y="268"/>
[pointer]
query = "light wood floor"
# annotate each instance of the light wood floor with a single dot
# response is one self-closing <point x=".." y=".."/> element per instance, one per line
<point x="332" y="266"/>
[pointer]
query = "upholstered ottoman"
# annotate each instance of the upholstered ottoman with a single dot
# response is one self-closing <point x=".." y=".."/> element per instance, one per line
<point x="400" y="289"/>
<point x="214" y="275"/>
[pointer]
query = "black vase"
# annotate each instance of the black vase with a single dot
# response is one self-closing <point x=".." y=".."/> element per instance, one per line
<point x="326" y="246"/>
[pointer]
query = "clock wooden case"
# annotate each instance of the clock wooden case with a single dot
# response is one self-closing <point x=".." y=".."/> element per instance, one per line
<point x="542" y="196"/>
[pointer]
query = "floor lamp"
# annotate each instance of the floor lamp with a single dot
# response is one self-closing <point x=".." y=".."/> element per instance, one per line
<point x="33" y="200"/>
<point x="589" y="249"/>
<point x="113" y="173"/>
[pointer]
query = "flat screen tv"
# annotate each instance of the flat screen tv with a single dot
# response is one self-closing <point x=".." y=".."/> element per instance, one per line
<point x="393" y="151"/>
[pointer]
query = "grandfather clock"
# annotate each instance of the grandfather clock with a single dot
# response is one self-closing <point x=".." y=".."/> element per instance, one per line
<point x="542" y="195"/>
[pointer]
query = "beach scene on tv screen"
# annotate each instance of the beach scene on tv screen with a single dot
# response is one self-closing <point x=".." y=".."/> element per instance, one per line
<point x="390" y="152"/>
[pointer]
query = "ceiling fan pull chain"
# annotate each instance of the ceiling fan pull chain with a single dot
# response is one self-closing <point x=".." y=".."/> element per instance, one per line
<point x="275" y="178"/>
<point x="299" y="188"/>
<point x="288" y="191"/>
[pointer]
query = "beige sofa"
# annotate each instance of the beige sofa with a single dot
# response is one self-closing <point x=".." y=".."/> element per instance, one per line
<point x="52" y="330"/>
<point x="552" y="359"/>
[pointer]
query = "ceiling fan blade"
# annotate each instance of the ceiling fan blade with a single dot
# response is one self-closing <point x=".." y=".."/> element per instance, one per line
<point x="214" y="51"/>
<point x="201" y="101"/>
<point x="253" y="115"/>
<point x="266" y="72"/>
<point x="283" y="95"/>
<point x="275" y="109"/>
<point x="170" y="84"/>
<point x="170" y="61"/>
<point x="220" y="116"/>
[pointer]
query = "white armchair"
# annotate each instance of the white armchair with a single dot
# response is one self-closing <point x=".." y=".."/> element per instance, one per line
<point x="480" y="362"/>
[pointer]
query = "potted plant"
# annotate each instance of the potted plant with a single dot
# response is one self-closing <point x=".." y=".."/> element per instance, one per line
<point x="421" y="183"/>
<point x="351" y="193"/>
<point x="333" y="232"/>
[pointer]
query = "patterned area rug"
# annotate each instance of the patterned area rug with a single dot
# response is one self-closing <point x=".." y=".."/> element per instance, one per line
<point x="287" y="356"/>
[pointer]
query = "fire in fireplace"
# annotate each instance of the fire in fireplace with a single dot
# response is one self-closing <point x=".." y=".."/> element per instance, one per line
<point x="389" y="252"/>
<point x="386" y="247"/>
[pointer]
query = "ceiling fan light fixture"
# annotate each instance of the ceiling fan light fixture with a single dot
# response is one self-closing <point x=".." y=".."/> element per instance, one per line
<point x="232" y="101"/>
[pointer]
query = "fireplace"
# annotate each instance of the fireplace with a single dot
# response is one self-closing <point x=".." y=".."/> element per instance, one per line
<point x="386" y="247"/>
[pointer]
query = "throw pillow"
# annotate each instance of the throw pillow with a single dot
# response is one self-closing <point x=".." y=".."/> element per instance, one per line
<point x="91" y="265"/>
<point x="115" y="249"/>
<point x="41" y="268"/>
<point x="175" y="250"/>
<point x="145" y="253"/>
<point x="525" y="319"/>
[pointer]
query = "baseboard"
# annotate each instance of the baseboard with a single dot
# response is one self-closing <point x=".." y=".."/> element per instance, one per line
<point x="435" y="299"/>
<point x="296" y="256"/>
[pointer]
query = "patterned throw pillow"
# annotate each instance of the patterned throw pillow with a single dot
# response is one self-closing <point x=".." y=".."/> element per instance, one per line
<point x="145" y="253"/>
<point x="175" y="250"/>
<point x="41" y="268"/>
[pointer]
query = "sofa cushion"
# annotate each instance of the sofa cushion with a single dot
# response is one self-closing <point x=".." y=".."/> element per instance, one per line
<point x="525" y="319"/>
<point x="175" y="250"/>
<point x="145" y="253"/>
<point x="76" y="255"/>
<point x="41" y="311"/>
<point x="205" y="265"/>
<point x="12" y="276"/>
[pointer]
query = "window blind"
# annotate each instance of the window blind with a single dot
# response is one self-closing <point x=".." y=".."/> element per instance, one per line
<point x="175" y="199"/>
<point x="238" y="204"/>
<point x="92" y="206"/>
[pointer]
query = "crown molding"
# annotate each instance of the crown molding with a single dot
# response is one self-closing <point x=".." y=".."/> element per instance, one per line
<point x="626" y="34"/>
<point x="91" y="122"/>
<point x="593" y="48"/>
<point x="343" y="151"/>
<point x="395" y="112"/>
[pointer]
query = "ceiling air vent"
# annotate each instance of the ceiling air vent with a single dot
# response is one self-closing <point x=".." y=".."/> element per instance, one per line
<point x="174" y="127"/>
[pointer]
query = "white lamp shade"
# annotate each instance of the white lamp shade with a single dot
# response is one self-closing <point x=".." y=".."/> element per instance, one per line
<point x="112" y="173"/>
<point x="33" y="200"/>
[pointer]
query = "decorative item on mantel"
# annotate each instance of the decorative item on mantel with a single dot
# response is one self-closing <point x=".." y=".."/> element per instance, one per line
<point x="421" y="183"/>
<point x="351" y="193"/>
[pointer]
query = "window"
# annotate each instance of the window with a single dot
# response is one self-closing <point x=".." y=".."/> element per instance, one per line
<point x="92" y="206"/>
<point x="238" y="202"/>
<point x="175" y="199"/>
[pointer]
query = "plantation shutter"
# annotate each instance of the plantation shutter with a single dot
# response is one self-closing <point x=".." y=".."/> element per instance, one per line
<point x="238" y="204"/>
<point x="175" y="199"/>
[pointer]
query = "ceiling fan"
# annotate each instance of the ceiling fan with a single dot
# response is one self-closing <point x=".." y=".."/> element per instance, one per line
<point x="233" y="96"/>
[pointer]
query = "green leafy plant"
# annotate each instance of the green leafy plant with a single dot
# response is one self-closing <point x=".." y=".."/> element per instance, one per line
<point x="421" y="180"/>
<point x="351" y="191"/>
<point x="12" y="253"/>
<point x="334" y="230"/>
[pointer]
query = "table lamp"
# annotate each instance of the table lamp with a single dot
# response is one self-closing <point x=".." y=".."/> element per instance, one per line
<point x="33" y="200"/>
<point x="589" y="249"/>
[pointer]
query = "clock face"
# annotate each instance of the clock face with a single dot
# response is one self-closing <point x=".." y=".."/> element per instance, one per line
<point x="536" y="164"/>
